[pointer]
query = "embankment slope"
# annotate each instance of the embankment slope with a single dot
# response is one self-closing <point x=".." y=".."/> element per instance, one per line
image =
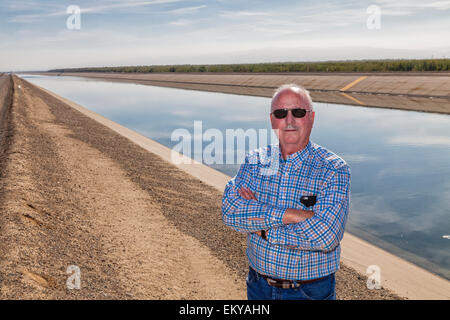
<point x="427" y="92"/>
<point x="76" y="193"/>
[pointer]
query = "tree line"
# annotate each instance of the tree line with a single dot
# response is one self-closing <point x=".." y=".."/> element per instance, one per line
<point x="416" y="65"/>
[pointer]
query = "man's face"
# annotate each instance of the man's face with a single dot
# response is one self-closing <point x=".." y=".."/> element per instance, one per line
<point x="293" y="133"/>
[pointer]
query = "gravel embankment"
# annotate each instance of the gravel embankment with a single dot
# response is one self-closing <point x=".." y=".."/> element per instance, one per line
<point x="73" y="192"/>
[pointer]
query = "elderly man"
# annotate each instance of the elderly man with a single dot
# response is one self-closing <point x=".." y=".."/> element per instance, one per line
<point x="295" y="215"/>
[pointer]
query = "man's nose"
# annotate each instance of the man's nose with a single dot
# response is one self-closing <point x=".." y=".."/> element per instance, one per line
<point x="289" y="118"/>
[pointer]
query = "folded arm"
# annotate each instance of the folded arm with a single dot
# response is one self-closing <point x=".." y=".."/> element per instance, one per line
<point x="325" y="229"/>
<point x="248" y="215"/>
<point x="289" y="216"/>
<point x="245" y="213"/>
<point x="242" y="211"/>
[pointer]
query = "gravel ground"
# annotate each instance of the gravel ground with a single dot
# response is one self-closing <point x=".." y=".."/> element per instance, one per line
<point x="73" y="192"/>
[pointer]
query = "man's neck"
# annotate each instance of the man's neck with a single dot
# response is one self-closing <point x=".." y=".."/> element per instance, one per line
<point x="287" y="151"/>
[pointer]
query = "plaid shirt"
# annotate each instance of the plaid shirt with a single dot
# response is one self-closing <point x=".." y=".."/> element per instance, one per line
<point x="301" y="251"/>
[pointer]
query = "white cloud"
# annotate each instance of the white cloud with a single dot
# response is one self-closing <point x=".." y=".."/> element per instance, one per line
<point x="358" y="158"/>
<point x="181" y="22"/>
<point x="187" y="10"/>
<point x="241" y="14"/>
<point x="29" y="18"/>
<point x="418" y="140"/>
<point x="445" y="4"/>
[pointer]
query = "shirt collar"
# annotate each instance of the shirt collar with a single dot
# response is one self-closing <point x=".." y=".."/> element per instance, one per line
<point x="296" y="158"/>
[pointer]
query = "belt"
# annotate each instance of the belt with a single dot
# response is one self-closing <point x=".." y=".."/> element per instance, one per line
<point x="287" y="284"/>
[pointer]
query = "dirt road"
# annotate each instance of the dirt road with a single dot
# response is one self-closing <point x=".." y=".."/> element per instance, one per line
<point x="74" y="193"/>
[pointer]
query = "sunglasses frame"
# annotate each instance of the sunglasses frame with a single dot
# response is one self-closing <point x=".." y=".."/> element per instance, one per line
<point x="292" y="111"/>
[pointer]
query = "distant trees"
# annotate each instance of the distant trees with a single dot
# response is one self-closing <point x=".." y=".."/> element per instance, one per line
<point x="418" y="65"/>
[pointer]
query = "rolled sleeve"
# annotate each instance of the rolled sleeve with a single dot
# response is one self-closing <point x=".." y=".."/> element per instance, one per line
<point x="238" y="212"/>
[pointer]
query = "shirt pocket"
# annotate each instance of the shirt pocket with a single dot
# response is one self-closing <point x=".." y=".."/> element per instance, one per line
<point x="267" y="188"/>
<point x="304" y="190"/>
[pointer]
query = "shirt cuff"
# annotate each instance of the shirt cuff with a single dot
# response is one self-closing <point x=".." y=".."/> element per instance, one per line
<point x="275" y="216"/>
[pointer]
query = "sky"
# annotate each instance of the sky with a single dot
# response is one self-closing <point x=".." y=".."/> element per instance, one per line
<point x="42" y="35"/>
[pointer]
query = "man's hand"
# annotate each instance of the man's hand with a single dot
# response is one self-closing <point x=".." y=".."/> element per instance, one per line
<point x="247" y="194"/>
<point x="296" y="215"/>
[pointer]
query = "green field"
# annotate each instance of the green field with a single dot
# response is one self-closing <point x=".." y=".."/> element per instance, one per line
<point x="327" y="66"/>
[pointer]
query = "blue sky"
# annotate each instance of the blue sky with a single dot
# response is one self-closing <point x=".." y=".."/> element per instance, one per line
<point x="34" y="35"/>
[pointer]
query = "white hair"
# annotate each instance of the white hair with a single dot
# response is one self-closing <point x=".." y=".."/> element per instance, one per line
<point x="297" y="89"/>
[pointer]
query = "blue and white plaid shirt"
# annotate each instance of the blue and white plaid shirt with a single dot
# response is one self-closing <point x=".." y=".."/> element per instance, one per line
<point x="301" y="251"/>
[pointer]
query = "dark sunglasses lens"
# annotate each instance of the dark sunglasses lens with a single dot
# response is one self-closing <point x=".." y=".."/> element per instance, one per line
<point x="298" y="113"/>
<point x="280" y="113"/>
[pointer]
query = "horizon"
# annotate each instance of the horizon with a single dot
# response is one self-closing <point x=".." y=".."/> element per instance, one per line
<point x="276" y="62"/>
<point x="37" y="35"/>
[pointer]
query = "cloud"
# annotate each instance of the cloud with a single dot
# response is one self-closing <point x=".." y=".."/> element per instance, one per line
<point x="181" y="23"/>
<point x="358" y="158"/>
<point x="187" y="10"/>
<point x="241" y="14"/>
<point x="413" y="5"/>
<point x="417" y="140"/>
<point x="440" y="5"/>
<point x="30" y="18"/>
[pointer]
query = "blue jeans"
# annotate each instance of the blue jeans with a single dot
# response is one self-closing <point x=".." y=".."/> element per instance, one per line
<point x="259" y="289"/>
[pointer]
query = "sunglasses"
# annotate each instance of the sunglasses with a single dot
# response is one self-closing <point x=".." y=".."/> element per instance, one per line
<point x="282" y="113"/>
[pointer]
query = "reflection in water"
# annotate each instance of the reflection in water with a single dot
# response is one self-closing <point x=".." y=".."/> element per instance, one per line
<point x="400" y="161"/>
